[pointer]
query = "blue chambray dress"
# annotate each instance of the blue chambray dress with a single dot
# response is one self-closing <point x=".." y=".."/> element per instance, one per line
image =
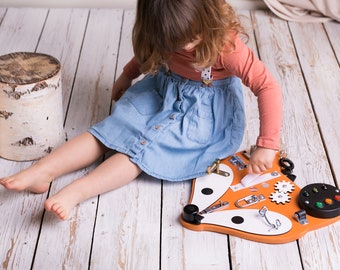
<point x="174" y="128"/>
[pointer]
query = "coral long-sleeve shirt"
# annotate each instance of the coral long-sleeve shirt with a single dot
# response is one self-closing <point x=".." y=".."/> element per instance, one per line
<point x="244" y="64"/>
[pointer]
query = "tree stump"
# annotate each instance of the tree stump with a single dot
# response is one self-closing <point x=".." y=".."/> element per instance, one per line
<point x="31" y="114"/>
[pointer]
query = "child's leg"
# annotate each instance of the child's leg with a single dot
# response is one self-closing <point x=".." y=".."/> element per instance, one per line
<point x="113" y="173"/>
<point x="75" y="154"/>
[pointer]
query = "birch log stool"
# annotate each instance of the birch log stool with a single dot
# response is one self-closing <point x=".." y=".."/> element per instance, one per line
<point x="31" y="115"/>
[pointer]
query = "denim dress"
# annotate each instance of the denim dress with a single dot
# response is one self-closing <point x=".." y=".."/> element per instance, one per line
<point x="174" y="128"/>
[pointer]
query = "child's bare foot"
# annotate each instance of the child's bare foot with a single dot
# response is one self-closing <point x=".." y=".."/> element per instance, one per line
<point x="61" y="204"/>
<point x="32" y="179"/>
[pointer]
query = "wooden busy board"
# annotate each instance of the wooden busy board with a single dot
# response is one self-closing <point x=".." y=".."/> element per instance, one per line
<point x="267" y="208"/>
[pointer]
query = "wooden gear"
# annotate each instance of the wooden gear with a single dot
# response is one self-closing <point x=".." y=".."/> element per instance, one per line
<point x="263" y="208"/>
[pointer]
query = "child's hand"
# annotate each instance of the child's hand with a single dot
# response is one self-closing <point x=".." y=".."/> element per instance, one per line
<point x="120" y="86"/>
<point x="261" y="160"/>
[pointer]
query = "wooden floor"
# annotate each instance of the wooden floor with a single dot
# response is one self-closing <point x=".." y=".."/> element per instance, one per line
<point x="137" y="227"/>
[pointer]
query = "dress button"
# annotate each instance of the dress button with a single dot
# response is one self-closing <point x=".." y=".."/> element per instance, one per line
<point x="172" y="116"/>
<point x="143" y="142"/>
<point x="158" y="127"/>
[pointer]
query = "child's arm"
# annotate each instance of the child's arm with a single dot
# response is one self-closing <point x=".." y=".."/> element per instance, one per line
<point x="253" y="73"/>
<point x="261" y="160"/>
<point x="120" y="86"/>
<point x="131" y="71"/>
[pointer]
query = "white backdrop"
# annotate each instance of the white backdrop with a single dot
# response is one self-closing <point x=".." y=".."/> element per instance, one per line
<point x="70" y="3"/>
<point x="247" y="4"/>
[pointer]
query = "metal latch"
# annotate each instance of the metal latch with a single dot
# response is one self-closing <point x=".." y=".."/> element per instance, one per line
<point x="237" y="161"/>
<point x="215" y="168"/>
<point x="213" y="208"/>
<point x="249" y="200"/>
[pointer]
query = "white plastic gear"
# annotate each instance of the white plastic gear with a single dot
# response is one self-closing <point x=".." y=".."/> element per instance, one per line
<point x="284" y="186"/>
<point x="280" y="197"/>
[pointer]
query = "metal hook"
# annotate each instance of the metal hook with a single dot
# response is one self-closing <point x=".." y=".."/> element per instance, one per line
<point x="263" y="213"/>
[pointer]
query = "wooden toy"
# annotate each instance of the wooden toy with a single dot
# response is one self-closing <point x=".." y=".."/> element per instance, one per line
<point x="267" y="208"/>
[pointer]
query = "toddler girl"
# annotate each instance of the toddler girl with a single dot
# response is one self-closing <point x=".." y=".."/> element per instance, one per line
<point x="186" y="112"/>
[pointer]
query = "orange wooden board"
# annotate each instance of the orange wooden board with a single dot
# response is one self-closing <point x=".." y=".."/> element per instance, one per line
<point x="287" y="209"/>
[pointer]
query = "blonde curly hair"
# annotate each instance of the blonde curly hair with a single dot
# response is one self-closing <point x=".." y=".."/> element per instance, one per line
<point x="163" y="27"/>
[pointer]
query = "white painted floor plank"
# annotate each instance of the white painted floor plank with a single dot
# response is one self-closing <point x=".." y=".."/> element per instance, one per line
<point x="22" y="212"/>
<point x="333" y="31"/>
<point x="64" y="44"/>
<point x="2" y="13"/>
<point x="90" y="102"/>
<point x="322" y="75"/>
<point x="300" y="128"/>
<point x="20" y="29"/>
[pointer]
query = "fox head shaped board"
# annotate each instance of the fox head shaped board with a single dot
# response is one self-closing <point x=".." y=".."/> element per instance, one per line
<point x="267" y="208"/>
